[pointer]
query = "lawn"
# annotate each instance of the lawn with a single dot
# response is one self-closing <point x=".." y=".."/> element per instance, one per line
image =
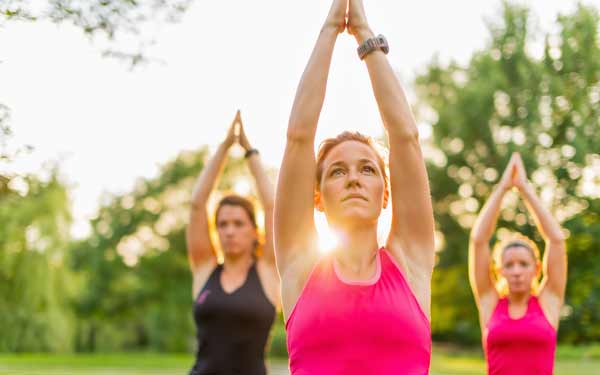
<point x="576" y="361"/>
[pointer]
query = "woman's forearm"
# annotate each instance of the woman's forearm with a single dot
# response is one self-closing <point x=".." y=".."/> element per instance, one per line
<point x="545" y="221"/>
<point x="310" y="94"/>
<point x="209" y="176"/>
<point x="391" y="100"/>
<point x="263" y="183"/>
<point x="485" y="224"/>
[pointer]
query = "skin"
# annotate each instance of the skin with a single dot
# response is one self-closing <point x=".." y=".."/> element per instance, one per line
<point x="347" y="170"/>
<point x="237" y="235"/>
<point x="519" y="267"/>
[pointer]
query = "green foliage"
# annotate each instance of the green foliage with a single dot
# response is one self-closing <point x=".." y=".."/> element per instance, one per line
<point x="547" y="107"/>
<point x="35" y="218"/>
<point x="136" y="280"/>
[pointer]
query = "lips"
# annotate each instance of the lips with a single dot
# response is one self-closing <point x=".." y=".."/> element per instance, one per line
<point x="354" y="196"/>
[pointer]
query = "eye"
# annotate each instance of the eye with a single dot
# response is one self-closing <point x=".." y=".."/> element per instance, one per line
<point x="336" y="172"/>
<point x="368" y="169"/>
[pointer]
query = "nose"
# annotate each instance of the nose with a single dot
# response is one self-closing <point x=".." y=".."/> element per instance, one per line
<point x="229" y="230"/>
<point x="353" y="178"/>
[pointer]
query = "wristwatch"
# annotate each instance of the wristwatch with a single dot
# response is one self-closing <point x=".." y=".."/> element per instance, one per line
<point x="372" y="44"/>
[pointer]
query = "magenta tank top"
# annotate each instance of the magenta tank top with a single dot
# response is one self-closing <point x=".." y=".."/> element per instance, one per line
<point x="523" y="346"/>
<point x="350" y="327"/>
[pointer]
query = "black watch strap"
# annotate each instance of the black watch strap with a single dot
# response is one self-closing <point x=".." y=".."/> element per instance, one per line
<point x="250" y="152"/>
<point x="373" y="44"/>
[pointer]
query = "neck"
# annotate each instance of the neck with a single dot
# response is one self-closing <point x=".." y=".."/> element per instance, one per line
<point x="237" y="263"/>
<point x="519" y="298"/>
<point x="357" y="248"/>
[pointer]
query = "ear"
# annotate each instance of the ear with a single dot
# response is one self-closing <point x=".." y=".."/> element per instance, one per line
<point x="386" y="197"/>
<point x="318" y="202"/>
<point x="538" y="269"/>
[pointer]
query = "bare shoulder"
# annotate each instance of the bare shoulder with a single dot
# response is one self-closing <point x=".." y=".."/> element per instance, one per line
<point x="269" y="279"/>
<point x="487" y="304"/>
<point x="294" y="276"/>
<point x="551" y="305"/>
<point x="417" y="273"/>
<point x="200" y="275"/>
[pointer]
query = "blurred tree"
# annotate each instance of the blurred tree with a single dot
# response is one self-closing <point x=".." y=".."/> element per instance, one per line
<point x="137" y="283"/>
<point x="539" y="98"/>
<point x="109" y="19"/>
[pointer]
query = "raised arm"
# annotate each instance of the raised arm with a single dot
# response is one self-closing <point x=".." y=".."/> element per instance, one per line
<point x="555" y="254"/>
<point x="265" y="194"/>
<point x="295" y="234"/>
<point x="480" y="259"/>
<point x="201" y="252"/>
<point x="412" y="214"/>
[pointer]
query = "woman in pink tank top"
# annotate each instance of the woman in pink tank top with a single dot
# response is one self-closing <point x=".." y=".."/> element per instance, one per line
<point x="518" y="314"/>
<point x="360" y="309"/>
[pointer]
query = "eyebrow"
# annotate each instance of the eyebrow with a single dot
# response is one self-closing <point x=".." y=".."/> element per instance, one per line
<point x="342" y="163"/>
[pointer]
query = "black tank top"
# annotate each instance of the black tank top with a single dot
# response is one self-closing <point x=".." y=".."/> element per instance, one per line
<point x="232" y="329"/>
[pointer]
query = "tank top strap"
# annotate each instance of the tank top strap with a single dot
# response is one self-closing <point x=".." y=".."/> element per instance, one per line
<point x="534" y="305"/>
<point x="214" y="277"/>
<point x="252" y="277"/>
<point x="502" y="307"/>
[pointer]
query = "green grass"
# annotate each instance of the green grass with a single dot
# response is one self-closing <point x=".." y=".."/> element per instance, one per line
<point x="445" y="361"/>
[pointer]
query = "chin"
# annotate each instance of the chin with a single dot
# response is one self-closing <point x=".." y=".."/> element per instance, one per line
<point x="233" y="252"/>
<point x="355" y="218"/>
<point x="519" y="290"/>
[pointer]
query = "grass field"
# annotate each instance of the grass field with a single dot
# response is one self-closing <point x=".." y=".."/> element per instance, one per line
<point x="570" y="361"/>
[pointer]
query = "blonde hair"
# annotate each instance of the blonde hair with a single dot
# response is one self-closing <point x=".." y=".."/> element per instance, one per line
<point x="514" y="240"/>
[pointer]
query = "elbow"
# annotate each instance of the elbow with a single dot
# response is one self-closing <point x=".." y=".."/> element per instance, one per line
<point x="557" y="239"/>
<point x="299" y="134"/>
<point x="477" y="240"/>
<point x="406" y="134"/>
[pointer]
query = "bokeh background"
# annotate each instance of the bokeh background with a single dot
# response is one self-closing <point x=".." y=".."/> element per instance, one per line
<point x="109" y="110"/>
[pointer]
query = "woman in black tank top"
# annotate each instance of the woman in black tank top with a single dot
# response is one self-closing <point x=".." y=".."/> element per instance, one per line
<point x="234" y="302"/>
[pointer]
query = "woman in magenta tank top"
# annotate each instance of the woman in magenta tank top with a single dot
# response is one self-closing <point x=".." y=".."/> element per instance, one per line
<point x="360" y="309"/>
<point x="518" y="314"/>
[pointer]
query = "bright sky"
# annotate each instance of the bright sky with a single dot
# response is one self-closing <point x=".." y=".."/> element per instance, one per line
<point x="108" y="125"/>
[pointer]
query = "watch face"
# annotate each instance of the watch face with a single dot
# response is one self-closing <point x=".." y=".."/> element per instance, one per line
<point x="383" y="43"/>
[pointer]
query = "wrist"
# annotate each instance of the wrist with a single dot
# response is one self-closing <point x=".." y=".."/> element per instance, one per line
<point x="331" y="28"/>
<point x="250" y="152"/>
<point x="362" y="33"/>
<point x="503" y="188"/>
<point x="226" y="144"/>
<point x="526" y="188"/>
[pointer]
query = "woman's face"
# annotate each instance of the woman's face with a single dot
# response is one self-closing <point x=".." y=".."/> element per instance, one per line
<point x="236" y="232"/>
<point x="352" y="190"/>
<point x="519" y="268"/>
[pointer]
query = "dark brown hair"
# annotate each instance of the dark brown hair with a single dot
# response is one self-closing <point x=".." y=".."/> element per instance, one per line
<point x="236" y="200"/>
<point x="328" y="144"/>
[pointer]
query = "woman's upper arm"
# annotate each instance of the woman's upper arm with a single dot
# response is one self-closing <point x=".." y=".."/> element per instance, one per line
<point x="199" y="244"/>
<point x="412" y="213"/>
<point x="480" y="276"/>
<point x="269" y="251"/>
<point x="294" y="228"/>
<point x="555" y="269"/>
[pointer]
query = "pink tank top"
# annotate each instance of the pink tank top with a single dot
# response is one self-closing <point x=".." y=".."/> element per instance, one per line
<point x="350" y="327"/>
<point x="523" y="346"/>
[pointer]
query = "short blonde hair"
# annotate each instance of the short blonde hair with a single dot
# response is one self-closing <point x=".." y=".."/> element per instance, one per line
<point x="514" y="240"/>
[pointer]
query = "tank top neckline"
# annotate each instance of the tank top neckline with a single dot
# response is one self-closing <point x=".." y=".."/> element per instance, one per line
<point x="527" y="310"/>
<point x="370" y="281"/>
<point x="242" y="285"/>
<point x="532" y="299"/>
